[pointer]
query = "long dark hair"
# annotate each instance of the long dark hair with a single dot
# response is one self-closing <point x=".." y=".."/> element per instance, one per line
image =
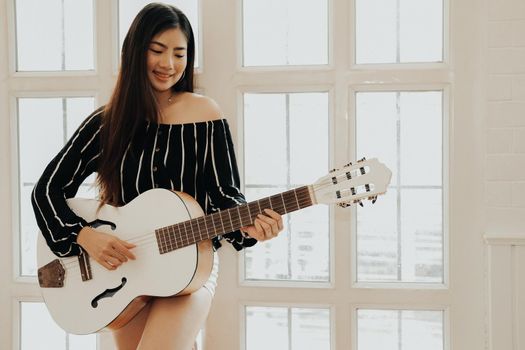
<point x="133" y="99"/>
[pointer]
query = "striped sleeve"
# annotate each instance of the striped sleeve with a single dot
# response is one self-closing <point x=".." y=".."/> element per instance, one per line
<point x="60" y="180"/>
<point x="223" y="181"/>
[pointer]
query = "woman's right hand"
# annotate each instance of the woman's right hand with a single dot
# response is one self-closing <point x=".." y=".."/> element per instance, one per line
<point x="108" y="250"/>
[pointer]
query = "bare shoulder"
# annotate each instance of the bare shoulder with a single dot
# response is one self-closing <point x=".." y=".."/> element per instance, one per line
<point x="203" y="108"/>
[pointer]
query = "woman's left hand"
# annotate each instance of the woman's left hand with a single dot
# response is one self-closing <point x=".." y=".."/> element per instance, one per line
<point x="265" y="226"/>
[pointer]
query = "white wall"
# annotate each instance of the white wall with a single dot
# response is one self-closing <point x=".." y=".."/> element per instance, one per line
<point x="505" y="174"/>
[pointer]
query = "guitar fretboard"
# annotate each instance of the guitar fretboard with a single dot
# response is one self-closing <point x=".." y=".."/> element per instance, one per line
<point x="205" y="227"/>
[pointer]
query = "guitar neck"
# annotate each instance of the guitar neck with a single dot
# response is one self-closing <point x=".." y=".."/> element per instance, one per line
<point x="195" y="230"/>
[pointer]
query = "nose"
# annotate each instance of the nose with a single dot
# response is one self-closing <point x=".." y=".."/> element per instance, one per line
<point x="166" y="61"/>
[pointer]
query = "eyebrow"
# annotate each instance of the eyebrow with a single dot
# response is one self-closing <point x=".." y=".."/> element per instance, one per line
<point x="178" y="48"/>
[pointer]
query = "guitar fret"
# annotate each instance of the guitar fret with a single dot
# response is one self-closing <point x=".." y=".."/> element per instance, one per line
<point x="228" y="221"/>
<point x="231" y="221"/>
<point x="222" y="222"/>
<point x="253" y="211"/>
<point x="204" y="232"/>
<point x="165" y="239"/>
<point x="249" y="213"/>
<point x="215" y="232"/>
<point x="170" y="240"/>
<point x="245" y="214"/>
<point x="236" y="220"/>
<point x="177" y="233"/>
<point x="284" y="204"/>
<point x="199" y="228"/>
<point x="183" y="234"/>
<point x="206" y="227"/>
<point x="264" y="205"/>
<point x="186" y="233"/>
<point x="296" y="200"/>
<point x="277" y="204"/>
<point x="192" y="234"/>
<point x="166" y="234"/>
<point x="289" y="198"/>
<point x="159" y="242"/>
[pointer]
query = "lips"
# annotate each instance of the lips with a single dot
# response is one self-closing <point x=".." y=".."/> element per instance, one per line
<point x="162" y="76"/>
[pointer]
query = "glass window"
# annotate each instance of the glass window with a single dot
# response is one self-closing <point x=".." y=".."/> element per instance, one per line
<point x="39" y="331"/>
<point x="280" y="155"/>
<point x="399" y="31"/>
<point x="289" y="328"/>
<point x="274" y="32"/>
<point x="127" y="10"/>
<point x="399" y="329"/>
<point x="400" y="238"/>
<point x="54" y="35"/>
<point x="44" y="126"/>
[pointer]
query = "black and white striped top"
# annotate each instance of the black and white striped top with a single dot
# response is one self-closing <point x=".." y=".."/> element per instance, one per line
<point x="196" y="158"/>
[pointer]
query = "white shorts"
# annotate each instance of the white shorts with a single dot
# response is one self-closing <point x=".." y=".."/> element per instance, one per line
<point x="211" y="283"/>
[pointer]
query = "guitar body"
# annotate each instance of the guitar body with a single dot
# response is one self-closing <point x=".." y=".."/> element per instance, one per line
<point x="109" y="299"/>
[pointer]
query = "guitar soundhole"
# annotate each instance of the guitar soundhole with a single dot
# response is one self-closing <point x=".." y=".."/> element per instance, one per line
<point x="108" y="293"/>
<point x="96" y="223"/>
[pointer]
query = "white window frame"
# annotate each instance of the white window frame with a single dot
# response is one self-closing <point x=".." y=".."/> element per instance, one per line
<point x="445" y="308"/>
<point x="288" y="305"/>
<point x="288" y="89"/>
<point x="445" y="89"/>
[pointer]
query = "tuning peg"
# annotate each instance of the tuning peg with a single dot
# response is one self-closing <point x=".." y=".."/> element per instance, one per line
<point x="358" y="201"/>
<point x="361" y="160"/>
<point x="373" y="199"/>
<point x="344" y="204"/>
<point x="347" y="165"/>
<point x="334" y="170"/>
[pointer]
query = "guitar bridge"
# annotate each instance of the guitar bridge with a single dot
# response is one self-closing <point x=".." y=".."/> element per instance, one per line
<point x="51" y="275"/>
<point x="85" y="266"/>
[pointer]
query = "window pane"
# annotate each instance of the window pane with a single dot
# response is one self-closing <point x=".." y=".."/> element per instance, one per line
<point x="274" y="32"/>
<point x="44" y="126"/>
<point x="422" y="242"/>
<point x="39" y="331"/>
<point x="399" y="31"/>
<point x="399" y="330"/>
<point x="268" y="260"/>
<point x="287" y="158"/>
<point x="377" y="242"/>
<point x="290" y="328"/>
<point x="54" y="35"/>
<point x="265" y="114"/>
<point x="421" y="118"/>
<point x="310" y="329"/>
<point x="128" y="9"/>
<point x="400" y="238"/>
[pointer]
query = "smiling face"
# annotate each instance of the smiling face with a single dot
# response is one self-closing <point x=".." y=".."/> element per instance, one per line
<point x="166" y="60"/>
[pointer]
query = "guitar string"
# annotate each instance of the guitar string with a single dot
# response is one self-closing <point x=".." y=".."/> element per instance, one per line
<point x="149" y="238"/>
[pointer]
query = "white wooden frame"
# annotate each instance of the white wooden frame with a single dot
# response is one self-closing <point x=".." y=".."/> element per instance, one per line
<point x="242" y="316"/>
<point x="388" y="87"/>
<point x="331" y="147"/>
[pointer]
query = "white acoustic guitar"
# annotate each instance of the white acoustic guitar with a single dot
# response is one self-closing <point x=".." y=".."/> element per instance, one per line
<point x="174" y="253"/>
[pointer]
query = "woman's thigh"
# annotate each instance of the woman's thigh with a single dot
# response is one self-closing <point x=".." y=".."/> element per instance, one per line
<point x="128" y="337"/>
<point x="174" y="322"/>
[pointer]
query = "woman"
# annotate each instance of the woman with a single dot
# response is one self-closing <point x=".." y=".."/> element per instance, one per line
<point x="154" y="132"/>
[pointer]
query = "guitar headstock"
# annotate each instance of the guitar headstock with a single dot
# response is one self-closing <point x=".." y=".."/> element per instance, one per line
<point x="366" y="178"/>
